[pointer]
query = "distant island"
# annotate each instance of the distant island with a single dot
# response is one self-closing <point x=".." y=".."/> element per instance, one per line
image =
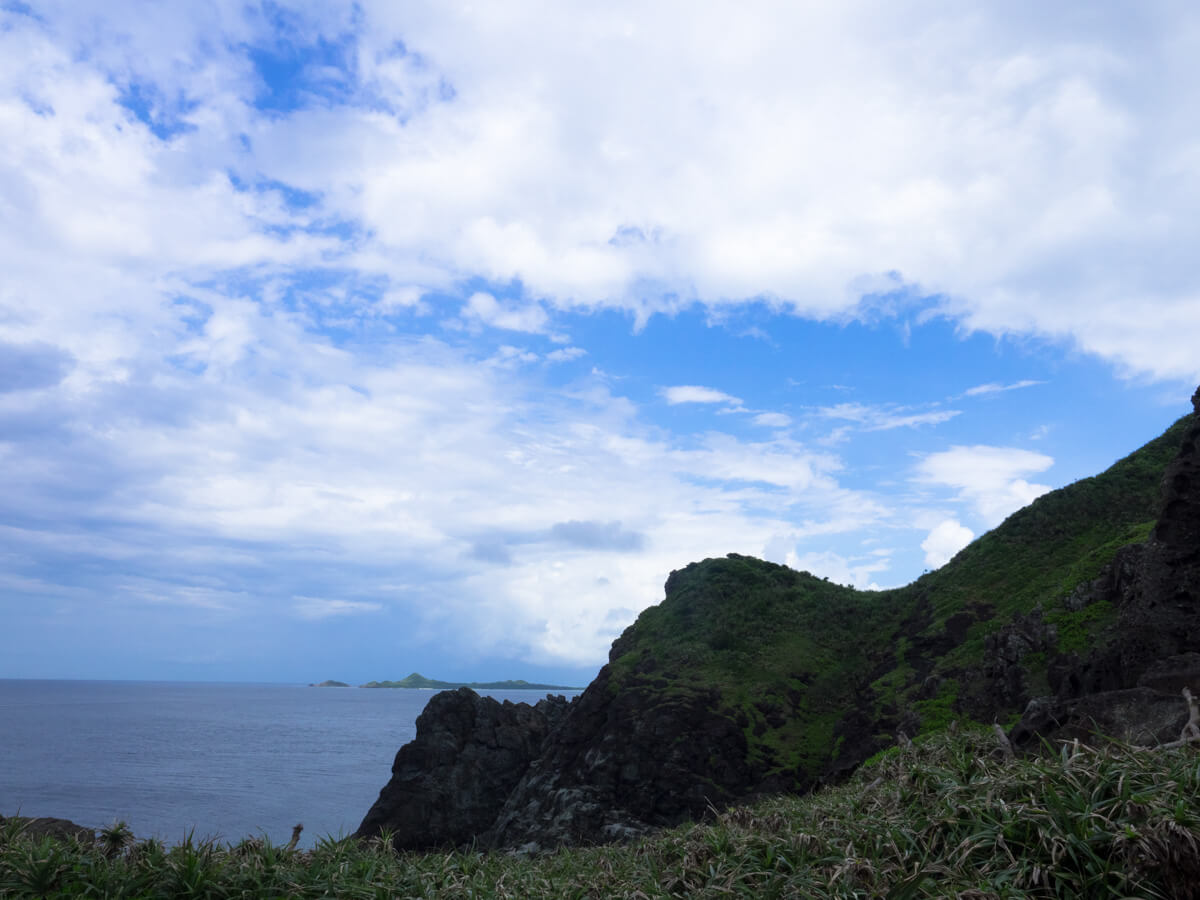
<point x="418" y="681"/>
<point x="330" y="683"/>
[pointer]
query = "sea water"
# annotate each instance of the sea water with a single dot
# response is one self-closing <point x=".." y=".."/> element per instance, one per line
<point x="222" y="761"/>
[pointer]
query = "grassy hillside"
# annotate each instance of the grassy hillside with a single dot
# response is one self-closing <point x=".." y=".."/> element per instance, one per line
<point x="1042" y="552"/>
<point x="784" y="648"/>
<point x="820" y="676"/>
<point x="946" y="817"/>
<point x="1037" y="558"/>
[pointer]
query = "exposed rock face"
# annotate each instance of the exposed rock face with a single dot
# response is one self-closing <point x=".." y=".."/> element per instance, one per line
<point x="1134" y="683"/>
<point x="625" y="762"/>
<point x="449" y="784"/>
<point x="1178" y="528"/>
<point x="616" y="766"/>
<point x="1003" y="674"/>
<point x="1136" y="716"/>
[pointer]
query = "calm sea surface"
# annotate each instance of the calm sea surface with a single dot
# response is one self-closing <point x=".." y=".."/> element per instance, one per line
<point x="227" y="760"/>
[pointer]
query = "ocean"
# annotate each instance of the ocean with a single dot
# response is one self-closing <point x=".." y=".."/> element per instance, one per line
<point x="222" y="761"/>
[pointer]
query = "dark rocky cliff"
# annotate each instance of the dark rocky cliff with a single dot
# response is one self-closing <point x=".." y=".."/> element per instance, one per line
<point x="449" y="784"/>
<point x="626" y="761"/>
<point x="753" y="678"/>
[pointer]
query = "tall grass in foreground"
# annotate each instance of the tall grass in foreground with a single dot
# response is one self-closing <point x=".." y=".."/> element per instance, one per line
<point x="946" y="817"/>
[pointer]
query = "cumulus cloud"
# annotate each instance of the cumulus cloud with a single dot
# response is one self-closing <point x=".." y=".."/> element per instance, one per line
<point x="996" y="176"/>
<point x="691" y="393"/>
<point x="944" y="540"/>
<point x="483" y="308"/>
<point x="991" y="479"/>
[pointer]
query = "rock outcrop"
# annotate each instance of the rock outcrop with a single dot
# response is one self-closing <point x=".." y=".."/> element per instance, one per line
<point x="1003" y="675"/>
<point x="449" y="784"/>
<point x="624" y="762"/>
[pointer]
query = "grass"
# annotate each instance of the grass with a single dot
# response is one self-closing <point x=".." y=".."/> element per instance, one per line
<point x="945" y="817"/>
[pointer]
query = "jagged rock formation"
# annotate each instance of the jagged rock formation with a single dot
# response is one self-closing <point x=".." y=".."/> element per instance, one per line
<point x="449" y="784"/>
<point x="624" y="762"/>
<point x="751" y="678"/>
<point x="1005" y="650"/>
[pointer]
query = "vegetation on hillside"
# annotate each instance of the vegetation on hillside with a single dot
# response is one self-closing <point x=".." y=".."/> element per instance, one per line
<point x="822" y="675"/>
<point x="787" y="652"/>
<point x="947" y="816"/>
<point x="1043" y="552"/>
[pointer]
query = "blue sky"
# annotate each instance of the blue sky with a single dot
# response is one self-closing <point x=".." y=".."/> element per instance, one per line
<point x="348" y="340"/>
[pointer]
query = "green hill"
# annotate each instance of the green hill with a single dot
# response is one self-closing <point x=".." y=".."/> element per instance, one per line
<point x="822" y="676"/>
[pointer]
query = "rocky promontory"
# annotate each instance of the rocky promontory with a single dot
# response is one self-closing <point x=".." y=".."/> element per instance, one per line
<point x="1078" y="616"/>
<point x="449" y="783"/>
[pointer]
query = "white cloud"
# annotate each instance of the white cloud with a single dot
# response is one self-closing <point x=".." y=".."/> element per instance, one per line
<point x="996" y="388"/>
<point x="591" y="164"/>
<point x="946" y="539"/>
<point x="855" y="572"/>
<point x="691" y="393"/>
<point x="483" y="308"/>
<point x="881" y="418"/>
<point x="565" y="354"/>
<point x="772" y="420"/>
<point x="991" y="479"/>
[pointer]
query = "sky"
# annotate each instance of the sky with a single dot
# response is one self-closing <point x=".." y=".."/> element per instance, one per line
<point x="346" y="340"/>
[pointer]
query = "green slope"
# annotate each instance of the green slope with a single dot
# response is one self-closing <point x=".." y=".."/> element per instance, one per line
<point x="1037" y="557"/>
<point x="782" y="647"/>
<point x="820" y="675"/>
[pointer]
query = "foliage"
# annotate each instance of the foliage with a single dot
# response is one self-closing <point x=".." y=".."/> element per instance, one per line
<point x="947" y="816"/>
